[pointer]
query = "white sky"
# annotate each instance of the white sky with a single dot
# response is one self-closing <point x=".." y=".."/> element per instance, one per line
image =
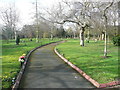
<point x="26" y="8"/>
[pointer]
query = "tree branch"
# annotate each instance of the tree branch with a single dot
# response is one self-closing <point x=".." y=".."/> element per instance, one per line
<point x="104" y="12"/>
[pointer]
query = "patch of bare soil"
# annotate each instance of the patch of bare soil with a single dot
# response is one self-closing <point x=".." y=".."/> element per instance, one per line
<point x="106" y="56"/>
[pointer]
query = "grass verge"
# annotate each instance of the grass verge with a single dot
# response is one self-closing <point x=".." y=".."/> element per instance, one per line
<point x="10" y="55"/>
<point x="88" y="58"/>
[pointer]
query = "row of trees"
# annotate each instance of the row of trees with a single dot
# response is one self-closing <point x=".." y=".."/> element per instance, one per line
<point x="67" y="19"/>
<point x="85" y="15"/>
<point x="45" y="31"/>
<point x="29" y="31"/>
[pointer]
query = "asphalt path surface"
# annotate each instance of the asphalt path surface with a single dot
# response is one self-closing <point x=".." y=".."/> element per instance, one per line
<point x="46" y="70"/>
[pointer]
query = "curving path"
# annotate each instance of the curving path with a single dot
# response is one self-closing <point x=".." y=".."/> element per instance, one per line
<point x="47" y="70"/>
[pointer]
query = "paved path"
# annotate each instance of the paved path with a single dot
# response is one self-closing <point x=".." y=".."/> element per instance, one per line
<point x="47" y="70"/>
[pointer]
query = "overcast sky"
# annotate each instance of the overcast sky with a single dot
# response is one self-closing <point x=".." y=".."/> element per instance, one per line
<point x="26" y="8"/>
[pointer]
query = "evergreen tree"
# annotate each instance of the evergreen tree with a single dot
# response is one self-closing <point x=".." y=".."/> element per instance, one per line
<point x="18" y="40"/>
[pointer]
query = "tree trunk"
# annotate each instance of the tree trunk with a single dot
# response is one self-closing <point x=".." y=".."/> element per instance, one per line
<point x="106" y="22"/>
<point x="99" y="37"/>
<point x="103" y="36"/>
<point x="15" y="34"/>
<point x="82" y="36"/>
<point x="88" y="38"/>
<point x="105" y="47"/>
<point x="51" y="36"/>
<point x="108" y="39"/>
<point x="37" y="37"/>
<point x="74" y="34"/>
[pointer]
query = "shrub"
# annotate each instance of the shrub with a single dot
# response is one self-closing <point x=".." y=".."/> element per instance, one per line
<point x="116" y="40"/>
<point x="18" y="40"/>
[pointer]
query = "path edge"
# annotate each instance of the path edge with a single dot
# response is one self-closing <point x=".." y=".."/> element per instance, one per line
<point x="95" y="83"/>
<point x="19" y="76"/>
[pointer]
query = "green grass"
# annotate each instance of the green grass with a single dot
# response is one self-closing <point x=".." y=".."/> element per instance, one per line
<point x="89" y="59"/>
<point x="10" y="55"/>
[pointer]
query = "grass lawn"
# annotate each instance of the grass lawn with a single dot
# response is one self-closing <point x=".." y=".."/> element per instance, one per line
<point x="10" y="55"/>
<point x="89" y="59"/>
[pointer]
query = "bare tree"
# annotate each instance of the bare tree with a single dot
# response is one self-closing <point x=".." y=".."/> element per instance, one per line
<point x="113" y="17"/>
<point x="80" y="14"/>
<point x="75" y="12"/>
<point x="106" y="22"/>
<point x="103" y="8"/>
<point x="10" y="18"/>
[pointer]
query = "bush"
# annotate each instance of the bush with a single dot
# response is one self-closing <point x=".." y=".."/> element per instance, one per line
<point x="18" y="40"/>
<point x="116" y="40"/>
